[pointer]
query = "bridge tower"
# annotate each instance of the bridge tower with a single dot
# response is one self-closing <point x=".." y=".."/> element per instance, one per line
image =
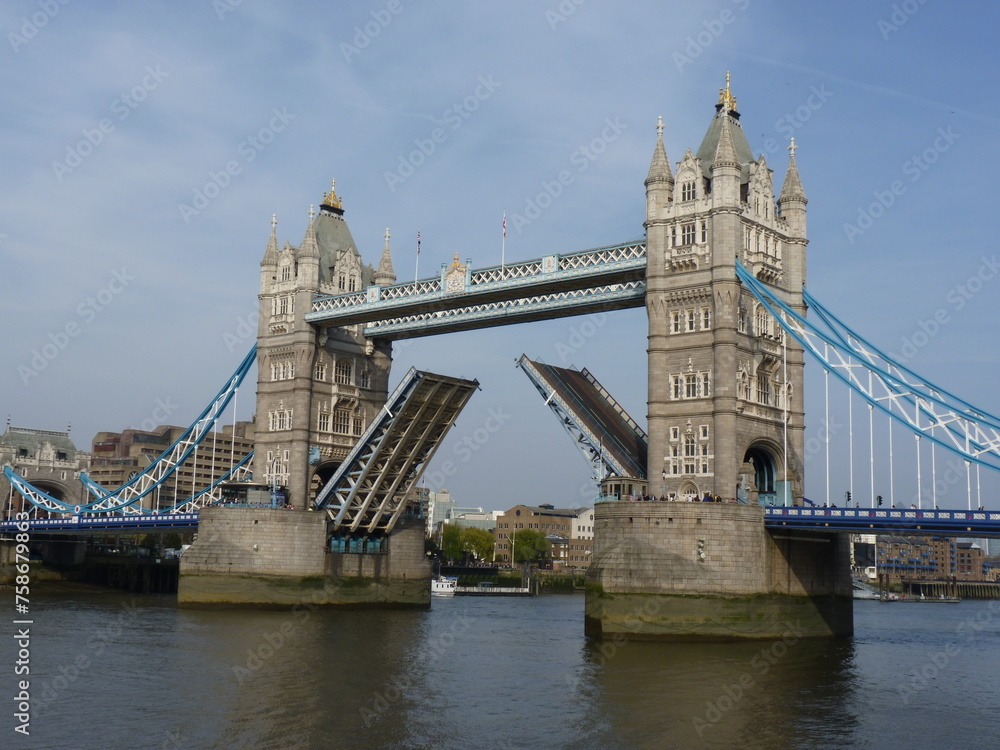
<point x="725" y="417"/>
<point x="318" y="387"/>
<point x="723" y="381"/>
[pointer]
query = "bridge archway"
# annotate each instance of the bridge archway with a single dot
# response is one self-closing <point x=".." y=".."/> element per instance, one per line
<point x="760" y="471"/>
<point x="321" y="475"/>
<point x="688" y="489"/>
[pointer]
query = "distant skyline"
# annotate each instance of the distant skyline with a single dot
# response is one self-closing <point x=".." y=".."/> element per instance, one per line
<point x="146" y="147"/>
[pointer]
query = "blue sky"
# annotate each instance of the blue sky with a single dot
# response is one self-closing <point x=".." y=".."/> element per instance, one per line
<point x="116" y="116"/>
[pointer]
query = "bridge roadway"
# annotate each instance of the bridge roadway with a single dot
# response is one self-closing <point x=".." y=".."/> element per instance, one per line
<point x="963" y="523"/>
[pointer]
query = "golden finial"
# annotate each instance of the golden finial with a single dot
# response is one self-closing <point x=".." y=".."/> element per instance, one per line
<point x="726" y="97"/>
<point x="331" y="198"/>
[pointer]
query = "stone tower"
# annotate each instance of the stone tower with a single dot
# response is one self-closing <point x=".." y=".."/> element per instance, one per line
<point x="723" y="380"/>
<point x="317" y="387"/>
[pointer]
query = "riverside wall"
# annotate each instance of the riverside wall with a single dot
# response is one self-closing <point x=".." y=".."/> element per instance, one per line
<point x="278" y="558"/>
<point x="711" y="571"/>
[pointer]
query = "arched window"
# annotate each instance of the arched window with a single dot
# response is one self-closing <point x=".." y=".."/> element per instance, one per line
<point x="366" y="379"/>
<point x="342" y="374"/>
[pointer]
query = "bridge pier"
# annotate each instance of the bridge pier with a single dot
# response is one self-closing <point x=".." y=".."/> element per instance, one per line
<point x="262" y="557"/>
<point x="711" y="571"/>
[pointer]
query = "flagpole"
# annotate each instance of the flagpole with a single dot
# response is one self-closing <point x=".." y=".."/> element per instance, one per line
<point x="416" y="272"/>
<point x="503" y="242"/>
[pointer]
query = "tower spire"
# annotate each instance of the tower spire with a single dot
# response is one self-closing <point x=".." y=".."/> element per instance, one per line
<point x="791" y="188"/>
<point x="309" y="247"/>
<point x="385" y="275"/>
<point x="659" y="168"/>
<point x="271" y="253"/>
<point x="726" y="99"/>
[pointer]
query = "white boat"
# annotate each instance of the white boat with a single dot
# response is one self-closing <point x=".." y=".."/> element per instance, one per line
<point x="442" y="586"/>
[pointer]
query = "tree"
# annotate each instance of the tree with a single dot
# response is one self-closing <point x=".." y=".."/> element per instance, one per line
<point x="478" y="543"/>
<point x="451" y="542"/>
<point x="530" y="546"/>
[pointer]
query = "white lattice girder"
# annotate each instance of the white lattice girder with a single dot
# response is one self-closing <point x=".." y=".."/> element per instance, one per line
<point x="599" y="267"/>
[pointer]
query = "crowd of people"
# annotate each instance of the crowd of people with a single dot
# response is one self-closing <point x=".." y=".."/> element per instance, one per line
<point x="673" y="497"/>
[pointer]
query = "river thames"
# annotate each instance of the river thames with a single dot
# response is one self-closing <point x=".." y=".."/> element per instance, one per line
<point x="111" y="671"/>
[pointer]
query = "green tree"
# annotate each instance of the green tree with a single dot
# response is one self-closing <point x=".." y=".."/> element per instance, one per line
<point x="451" y="542"/>
<point x="478" y="543"/>
<point x="530" y="546"/>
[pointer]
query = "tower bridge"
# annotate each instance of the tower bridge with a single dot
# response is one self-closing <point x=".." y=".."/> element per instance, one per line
<point x="721" y="272"/>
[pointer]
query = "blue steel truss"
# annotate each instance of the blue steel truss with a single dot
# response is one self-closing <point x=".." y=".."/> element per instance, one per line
<point x="368" y="492"/>
<point x="927" y="410"/>
<point x="873" y="521"/>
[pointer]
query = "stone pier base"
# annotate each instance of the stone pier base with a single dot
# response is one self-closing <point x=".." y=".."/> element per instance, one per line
<point x="711" y="571"/>
<point x="277" y="558"/>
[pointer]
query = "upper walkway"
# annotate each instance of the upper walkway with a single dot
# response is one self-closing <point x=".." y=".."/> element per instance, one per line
<point x="462" y="298"/>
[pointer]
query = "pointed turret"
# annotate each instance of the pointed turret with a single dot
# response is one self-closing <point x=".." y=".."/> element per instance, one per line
<point x="271" y="253"/>
<point x="385" y="275"/>
<point x="725" y="152"/>
<point x="791" y="188"/>
<point x="309" y="247"/>
<point x="659" y="168"/>
<point x="792" y="202"/>
<point x="308" y="256"/>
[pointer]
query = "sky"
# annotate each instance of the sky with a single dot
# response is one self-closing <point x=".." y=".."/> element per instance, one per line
<point x="147" y="145"/>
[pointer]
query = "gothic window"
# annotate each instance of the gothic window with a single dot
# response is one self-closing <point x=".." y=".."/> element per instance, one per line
<point x="706" y="385"/>
<point x="321" y="370"/>
<point x="763" y="321"/>
<point x="342" y="373"/>
<point x="763" y="388"/>
<point x="704" y="231"/>
<point x="675" y="433"/>
<point x="690" y="320"/>
<point x="687" y="234"/>
<point x="677" y="386"/>
<point x="687" y="190"/>
<point x="283" y="369"/>
<point x="342" y="282"/>
<point x="704" y="467"/>
<point x="279" y="419"/>
<point x="691" y="386"/>
<point x="286" y="272"/>
<point x="689" y="446"/>
<point x="366" y="379"/>
<point x="342" y="422"/>
<point x="706" y="318"/>
<point x="676" y="322"/>
<point x="353" y="285"/>
<point x="359" y="426"/>
<point x="704" y="432"/>
<point x="323" y="424"/>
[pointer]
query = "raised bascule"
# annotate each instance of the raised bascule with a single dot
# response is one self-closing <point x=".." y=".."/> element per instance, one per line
<point x="721" y="272"/>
